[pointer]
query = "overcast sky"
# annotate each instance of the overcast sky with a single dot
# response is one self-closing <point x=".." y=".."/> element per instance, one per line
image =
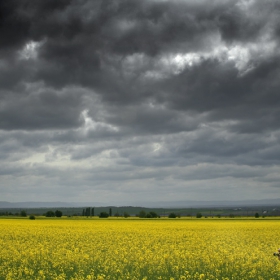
<point x="127" y="101"/>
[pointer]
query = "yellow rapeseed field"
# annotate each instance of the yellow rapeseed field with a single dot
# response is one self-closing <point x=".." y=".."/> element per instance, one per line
<point x="139" y="249"/>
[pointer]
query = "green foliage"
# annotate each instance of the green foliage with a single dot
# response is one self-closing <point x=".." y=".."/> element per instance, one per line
<point x="154" y="214"/>
<point x="172" y="215"/>
<point x="23" y="213"/>
<point x="149" y="215"/>
<point x="142" y="214"/>
<point x="198" y="215"/>
<point x="86" y="212"/>
<point x="50" y="214"/>
<point x="32" y="217"/>
<point x="58" y="213"/>
<point x="126" y="215"/>
<point x="103" y="215"/>
<point x="231" y="215"/>
<point x="257" y="215"/>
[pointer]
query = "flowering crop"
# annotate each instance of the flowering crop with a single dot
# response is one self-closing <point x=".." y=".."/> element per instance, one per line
<point x="139" y="249"/>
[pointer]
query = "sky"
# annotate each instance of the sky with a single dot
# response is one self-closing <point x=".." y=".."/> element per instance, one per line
<point x="128" y="102"/>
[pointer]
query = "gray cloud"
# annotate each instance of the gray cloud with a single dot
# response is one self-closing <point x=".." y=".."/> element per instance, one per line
<point x="124" y="100"/>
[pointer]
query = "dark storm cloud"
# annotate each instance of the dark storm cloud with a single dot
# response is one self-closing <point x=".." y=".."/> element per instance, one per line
<point x="89" y="51"/>
<point x="225" y="94"/>
<point x="168" y="92"/>
<point x="85" y="43"/>
<point x="43" y="108"/>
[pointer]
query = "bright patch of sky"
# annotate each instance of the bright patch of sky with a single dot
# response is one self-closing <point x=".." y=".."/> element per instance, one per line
<point x="30" y="50"/>
<point x="90" y="124"/>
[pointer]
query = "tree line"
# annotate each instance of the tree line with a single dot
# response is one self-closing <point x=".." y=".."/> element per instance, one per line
<point x="125" y="212"/>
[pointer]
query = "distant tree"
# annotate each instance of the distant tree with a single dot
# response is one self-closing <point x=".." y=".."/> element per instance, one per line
<point x="148" y="215"/>
<point x="103" y="215"/>
<point x="126" y="215"/>
<point x="50" y="214"/>
<point x="32" y="217"/>
<point x="22" y="213"/>
<point x="86" y="212"/>
<point x="92" y="211"/>
<point x="257" y="215"/>
<point x="231" y="215"/>
<point x="218" y="216"/>
<point x="198" y="215"/>
<point x="154" y="214"/>
<point x="172" y="215"/>
<point x="116" y="214"/>
<point x="58" y="213"/>
<point x="142" y="214"/>
<point x="110" y="212"/>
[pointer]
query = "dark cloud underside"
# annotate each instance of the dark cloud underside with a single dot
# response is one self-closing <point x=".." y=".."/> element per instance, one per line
<point x="156" y="87"/>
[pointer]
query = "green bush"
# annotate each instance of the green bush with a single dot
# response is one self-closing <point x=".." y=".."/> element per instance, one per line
<point x="172" y="215"/>
<point x="154" y="215"/>
<point x="50" y="214"/>
<point x="126" y="215"/>
<point x="32" y="217"/>
<point x="58" y="213"/>
<point x="103" y="215"/>
<point x="199" y="215"/>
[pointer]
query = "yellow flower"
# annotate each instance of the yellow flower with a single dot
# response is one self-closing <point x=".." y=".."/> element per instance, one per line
<point x="83" y="249"/>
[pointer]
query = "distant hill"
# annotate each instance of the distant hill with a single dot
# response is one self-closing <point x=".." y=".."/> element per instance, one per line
<point x="162" y="204"/>
<point x="217" y="203"/>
